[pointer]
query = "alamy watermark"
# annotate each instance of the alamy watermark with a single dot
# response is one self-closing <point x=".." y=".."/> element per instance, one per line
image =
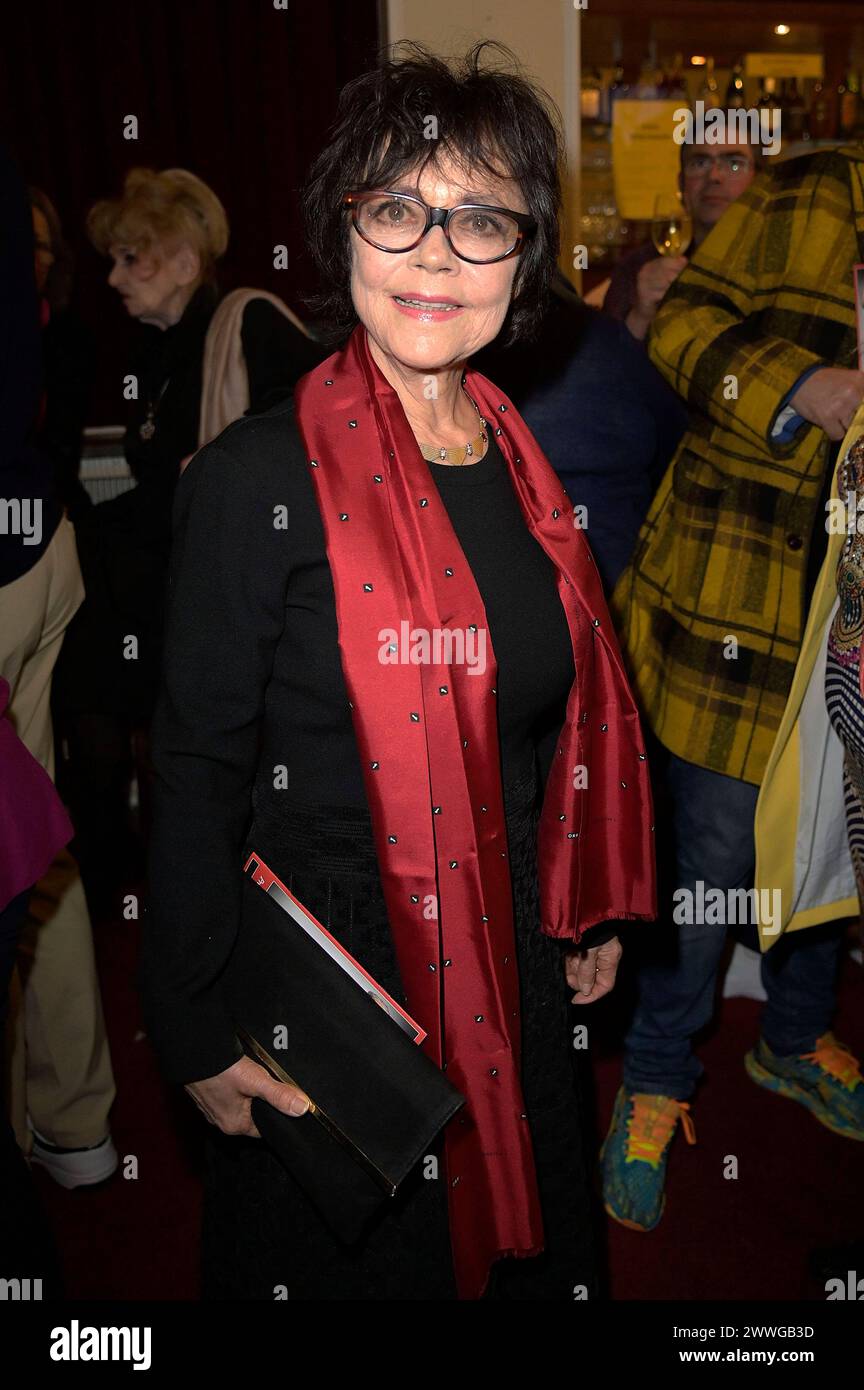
<point x="714" y="126"/>
<point x="450" y="646"/>
<point x="716" y="907"/>
<point x="77" y="1343"/>
<point x="845" y="517"/>
<point x="22" y="516"/>
<point x="851" y="1288"/>
<point x="20" y="1290"/>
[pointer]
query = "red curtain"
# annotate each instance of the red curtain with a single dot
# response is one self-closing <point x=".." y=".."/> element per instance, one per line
<point x="238" y="91"/>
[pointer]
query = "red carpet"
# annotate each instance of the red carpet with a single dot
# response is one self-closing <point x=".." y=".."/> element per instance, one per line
<point x="798" y="1186"/>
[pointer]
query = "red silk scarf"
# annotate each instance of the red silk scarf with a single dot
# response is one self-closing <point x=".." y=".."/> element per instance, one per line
<point x="428" y="740"/>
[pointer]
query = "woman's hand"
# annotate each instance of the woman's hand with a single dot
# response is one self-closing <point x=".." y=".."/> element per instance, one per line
<point x="592" y="972"/>
<point x="226" y="1099"/>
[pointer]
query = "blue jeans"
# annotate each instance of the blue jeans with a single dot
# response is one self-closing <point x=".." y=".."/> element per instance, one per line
<point x="711" y="819"/>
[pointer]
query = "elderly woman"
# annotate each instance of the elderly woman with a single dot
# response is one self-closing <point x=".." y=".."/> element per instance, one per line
<point x="164" y="234"/>
<point x="398" y="797"/>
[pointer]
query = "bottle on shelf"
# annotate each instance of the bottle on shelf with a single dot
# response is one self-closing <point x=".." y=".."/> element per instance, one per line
<point x="768" y="100"/>
<point x="676" y="81"/>
<point x="709" y="92"/>
<point x="616" y="90"/>
<point x="781" y="106"/>
<point x="823" y="111"/>
<point x="796" y="117"/>
<point x="839" y="98"/>
<point x="646" y="87"/>
<point x="735" y="99"/>
<point x="589" y="95"/>
<point x="849" y="104"/>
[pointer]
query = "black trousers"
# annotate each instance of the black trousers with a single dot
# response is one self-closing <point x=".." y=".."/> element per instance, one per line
<point x="262" y="1239"/>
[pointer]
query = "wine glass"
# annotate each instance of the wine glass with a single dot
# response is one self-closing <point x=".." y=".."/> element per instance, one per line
<point x="671" y="225"/>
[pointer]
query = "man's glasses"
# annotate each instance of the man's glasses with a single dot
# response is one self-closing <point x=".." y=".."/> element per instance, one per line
<point x="729" y="164"/>
<point x="476" y="232"/>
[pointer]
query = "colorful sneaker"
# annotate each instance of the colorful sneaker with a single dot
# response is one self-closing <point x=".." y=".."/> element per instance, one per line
<point x="828" y="1081"/>
<point x="634" y="1156"/>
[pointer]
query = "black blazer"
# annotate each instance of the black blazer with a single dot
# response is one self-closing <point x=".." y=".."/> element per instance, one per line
<point x="252" y="683"/>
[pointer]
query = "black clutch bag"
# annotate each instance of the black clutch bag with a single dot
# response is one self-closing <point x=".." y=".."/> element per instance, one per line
<point x="307" y="1011"/>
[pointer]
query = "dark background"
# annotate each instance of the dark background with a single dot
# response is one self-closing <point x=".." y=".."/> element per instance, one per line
<point x="241" y="94"/>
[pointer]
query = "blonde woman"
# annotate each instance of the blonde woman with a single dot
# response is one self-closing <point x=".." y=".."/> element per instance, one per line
<point x="164" y="234"/>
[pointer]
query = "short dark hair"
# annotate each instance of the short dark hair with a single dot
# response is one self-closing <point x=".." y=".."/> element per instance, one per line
<point x="488" y="116"/>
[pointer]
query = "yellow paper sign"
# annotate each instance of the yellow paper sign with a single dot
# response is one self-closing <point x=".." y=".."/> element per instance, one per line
<point x="645" y="157"/>
<point x="783" y="65"/>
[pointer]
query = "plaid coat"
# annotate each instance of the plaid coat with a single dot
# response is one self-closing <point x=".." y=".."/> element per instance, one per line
<point x="723" y="551"/>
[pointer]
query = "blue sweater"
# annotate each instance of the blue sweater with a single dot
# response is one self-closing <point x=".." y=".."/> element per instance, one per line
<point x="602" y="414"/>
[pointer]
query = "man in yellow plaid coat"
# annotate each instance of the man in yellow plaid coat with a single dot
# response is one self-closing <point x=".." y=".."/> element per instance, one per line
<point x="758" y="335"/>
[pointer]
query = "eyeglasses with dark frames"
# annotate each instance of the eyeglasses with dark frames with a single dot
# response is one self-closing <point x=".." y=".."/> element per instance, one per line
<point x="476" y="232"/>
<point x="730" y="164"/>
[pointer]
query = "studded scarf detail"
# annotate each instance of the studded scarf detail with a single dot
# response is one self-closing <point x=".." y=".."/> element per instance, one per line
<point x="428" y="740"/>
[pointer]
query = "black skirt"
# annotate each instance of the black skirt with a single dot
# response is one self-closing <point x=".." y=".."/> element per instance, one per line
<point x="263" y="1240"/>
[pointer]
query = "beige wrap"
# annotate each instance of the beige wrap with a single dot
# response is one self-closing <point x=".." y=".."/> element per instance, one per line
<point x="225" y="380"/>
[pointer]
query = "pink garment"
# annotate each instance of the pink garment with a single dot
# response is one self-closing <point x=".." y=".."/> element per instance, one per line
<point x="34" y="824"/>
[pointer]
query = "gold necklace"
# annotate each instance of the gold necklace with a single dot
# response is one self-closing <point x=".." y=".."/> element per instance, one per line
<point x="433" y="453"/>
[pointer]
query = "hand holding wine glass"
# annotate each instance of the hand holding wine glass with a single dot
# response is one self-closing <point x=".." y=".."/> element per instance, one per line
<point x="671" y="233"/>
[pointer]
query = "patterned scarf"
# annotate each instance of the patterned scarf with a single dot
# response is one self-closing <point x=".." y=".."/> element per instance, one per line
<point x="428" y="740"/>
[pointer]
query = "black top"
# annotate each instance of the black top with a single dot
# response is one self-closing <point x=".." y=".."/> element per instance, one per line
<point x="252" y="684"/>
<point x="167" y="364"/>
<point x="527" y="623"/>
<point x="124" y="543"/>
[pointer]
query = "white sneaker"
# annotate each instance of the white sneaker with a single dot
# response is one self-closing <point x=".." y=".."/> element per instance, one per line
<point x="75" y="1167"/>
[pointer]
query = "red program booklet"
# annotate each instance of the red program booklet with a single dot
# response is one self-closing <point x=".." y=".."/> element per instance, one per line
<point x="258" y="871"/>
